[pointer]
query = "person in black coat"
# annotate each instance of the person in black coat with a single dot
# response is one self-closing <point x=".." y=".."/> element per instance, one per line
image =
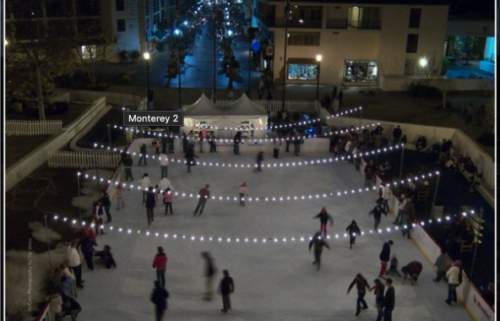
<point x="260" y="159"/>
<point x="236" y="142"/>
<point x="159" y="299"/>
<point x="87" y="246"/>
<point x="396" y="135"/>
<point x="354" y="231"/>
<point x="190" y="156"/>
<point x="377" y="214"/>
<point x="185" y="143"/>
<point x="226" y="287"/>
<point x="106" y="203"/>
<point x="150" y="205"/>
<point x="143" y="153"/>
<point x="385" y="256"/>
<point x="389" y="300"/>
<point x="164" y="142"/>
<point x="361" y="286"/>
<point x="210" y="271"/>
<point x="318" y="243"/>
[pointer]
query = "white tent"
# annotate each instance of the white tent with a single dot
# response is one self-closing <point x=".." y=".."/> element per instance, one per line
<point x="242" y="115"/>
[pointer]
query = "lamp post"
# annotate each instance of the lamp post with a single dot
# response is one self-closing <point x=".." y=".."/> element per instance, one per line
<point x="214" y="18"/>
<point x="178" y="35"/>
<point x="318" y="68"/>
<point x="147" y="57"/>
<point x="287" y="18"/>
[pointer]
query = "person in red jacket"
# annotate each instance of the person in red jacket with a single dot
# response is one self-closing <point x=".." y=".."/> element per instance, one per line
<point x="160" y="264"/>
<point x="324" y="218"/>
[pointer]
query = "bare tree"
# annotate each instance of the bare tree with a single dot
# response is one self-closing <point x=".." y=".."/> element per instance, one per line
<point x="36" y="53"/>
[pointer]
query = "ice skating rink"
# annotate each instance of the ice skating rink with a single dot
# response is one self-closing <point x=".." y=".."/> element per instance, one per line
<point x="273" y="281"/>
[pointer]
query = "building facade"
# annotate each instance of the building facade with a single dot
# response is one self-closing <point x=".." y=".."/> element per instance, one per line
<point x="360" y="42"/>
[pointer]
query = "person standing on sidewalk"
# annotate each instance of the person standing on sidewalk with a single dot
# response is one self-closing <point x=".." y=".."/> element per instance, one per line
<point x="204" y="195"/>
<point x="210" y="271"/>
<point x="361" y="286"/>
<point x="74" y="263"/>
<point x="164" y="165"/>
<point x="226" y="287"/>
<point x="443" y="264"/>
<point x="150" y="205"/>
<point x="389" y="300"/>
<point x="144" y="154"/>
<point x="159" y="299"/>
<point x="379" y="289"/>
<point x="385" y="256"/>
<point x="160" y="265"/>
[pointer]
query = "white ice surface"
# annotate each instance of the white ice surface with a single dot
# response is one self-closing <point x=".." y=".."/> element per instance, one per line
<point x="273" y="281"/>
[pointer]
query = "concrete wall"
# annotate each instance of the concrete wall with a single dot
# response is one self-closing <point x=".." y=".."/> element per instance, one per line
<point x="402" y="83"/>
<point x="24" y="167"/>
<point x="387" y="46"/>
<point x="111" y="98"/>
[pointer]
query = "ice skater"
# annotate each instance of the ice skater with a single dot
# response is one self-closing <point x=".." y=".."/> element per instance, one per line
<point x="236" y="143"/>
<point x="168" y="198"/>
<point x="159" y="299"/>
<point x="276" y="147"/>
<point x="378" y="290"/>
<point x="242" y="190"/>
<point x="412" y="270"/>
<point x="361" y="286"/>
<point x="210" y="271"/>
<point x="443" y="264"/>
<point x="324" y="218"/>
<point x="160" y="265"/>
<point x="150" y="205"/>
<point x="318" y="243"/>
<point x="389" y="300"/>
<point x="145" y="185"/>
<point x="354" y="231"/>
<point x="455" y="278"/>
<point x="144" y="154"/>
<point x="226" y="287"/>
<point x="393" y="267"/>
<point x="260" y="159"/>
<point x="385" y="195"/>
<point x="204" y="195"/>
<point x="190" y="156"/>
<point x="385" y="256"/>
<point x="377" y="214"/>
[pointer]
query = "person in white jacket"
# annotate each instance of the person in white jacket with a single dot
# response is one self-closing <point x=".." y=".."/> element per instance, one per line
<point x="164" y="184"/>
<point x="74" y="263"/>
<point x="454" y="277"/>
<point x="163" y="164"/>
<point x="385" y="194"/>
<point x="145" y="184"/>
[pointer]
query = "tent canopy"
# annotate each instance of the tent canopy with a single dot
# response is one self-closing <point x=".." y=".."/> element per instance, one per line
<point x="202" y="107"/>
<point x="244" y="107"/>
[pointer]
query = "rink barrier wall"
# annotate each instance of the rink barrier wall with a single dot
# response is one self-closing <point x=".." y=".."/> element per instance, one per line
<point x="462" y="144"/>
<point x="467" y="293"/>
<point x="25" y="166"/>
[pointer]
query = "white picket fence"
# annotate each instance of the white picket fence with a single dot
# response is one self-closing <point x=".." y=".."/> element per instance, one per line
<point x="77" y="159"/>
<point x="33" y="127"/>
<point x="293" y="106"/>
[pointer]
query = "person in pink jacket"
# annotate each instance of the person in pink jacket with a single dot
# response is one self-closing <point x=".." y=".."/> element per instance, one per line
<point x="168" y="198"/>
<point x="160" y="264"/>
<point x="242" y="189"/>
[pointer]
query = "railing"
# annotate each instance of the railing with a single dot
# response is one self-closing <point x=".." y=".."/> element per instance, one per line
<point x="33" y="127"/>
<point x="294" y="106"/>
<point x="280" y="23"/>
<point x="364" y="24"/>
<point x="72" y="159"/>
<point x="336" y="23"/>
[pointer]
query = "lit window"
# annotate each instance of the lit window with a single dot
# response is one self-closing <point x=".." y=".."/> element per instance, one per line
<point x="89" y="52"/>
<point x="301" y="71"/>
<point x="357" y="71"/>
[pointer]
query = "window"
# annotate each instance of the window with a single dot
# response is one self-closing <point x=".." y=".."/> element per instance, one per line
<point x="120" y="25"/>
<point x="302" y="71"/>
<point x="156" y="6"/>
<point x="303" y="39"/>
<point x="412" y="43"/>
<point x="360" y="71"/>
<point x="364" y="18"/>
<point x="415" y="18"/>
<point x="89" y="52"/>
<point x="120" y="5"/>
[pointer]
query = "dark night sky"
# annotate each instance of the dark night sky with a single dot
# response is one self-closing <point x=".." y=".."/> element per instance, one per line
<point x="473" y="8"/>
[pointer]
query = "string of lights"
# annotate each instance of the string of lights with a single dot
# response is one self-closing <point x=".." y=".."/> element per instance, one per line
<point x="315" y="196"/>
<point x="255" y="240"/>
<point x="243" y="141"/>
<point x="271" y="165"/>
<point x="284" y="126"/>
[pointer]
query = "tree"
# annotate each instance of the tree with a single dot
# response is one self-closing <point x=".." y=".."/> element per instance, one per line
<point x="36" y="53"/>
<point x="467" y="47"/>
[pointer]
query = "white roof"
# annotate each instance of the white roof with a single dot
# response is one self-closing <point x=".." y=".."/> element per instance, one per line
<point x="244" y="107"/>
<point x="202" y="107"/>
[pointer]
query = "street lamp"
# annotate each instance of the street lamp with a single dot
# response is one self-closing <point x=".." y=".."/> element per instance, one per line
<point x="178" y="35"/>
<point x="423" y="62"/>
<point x="147" y="57"/>
<point x="318" y="62"/>
<point x="288" y="11"/>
